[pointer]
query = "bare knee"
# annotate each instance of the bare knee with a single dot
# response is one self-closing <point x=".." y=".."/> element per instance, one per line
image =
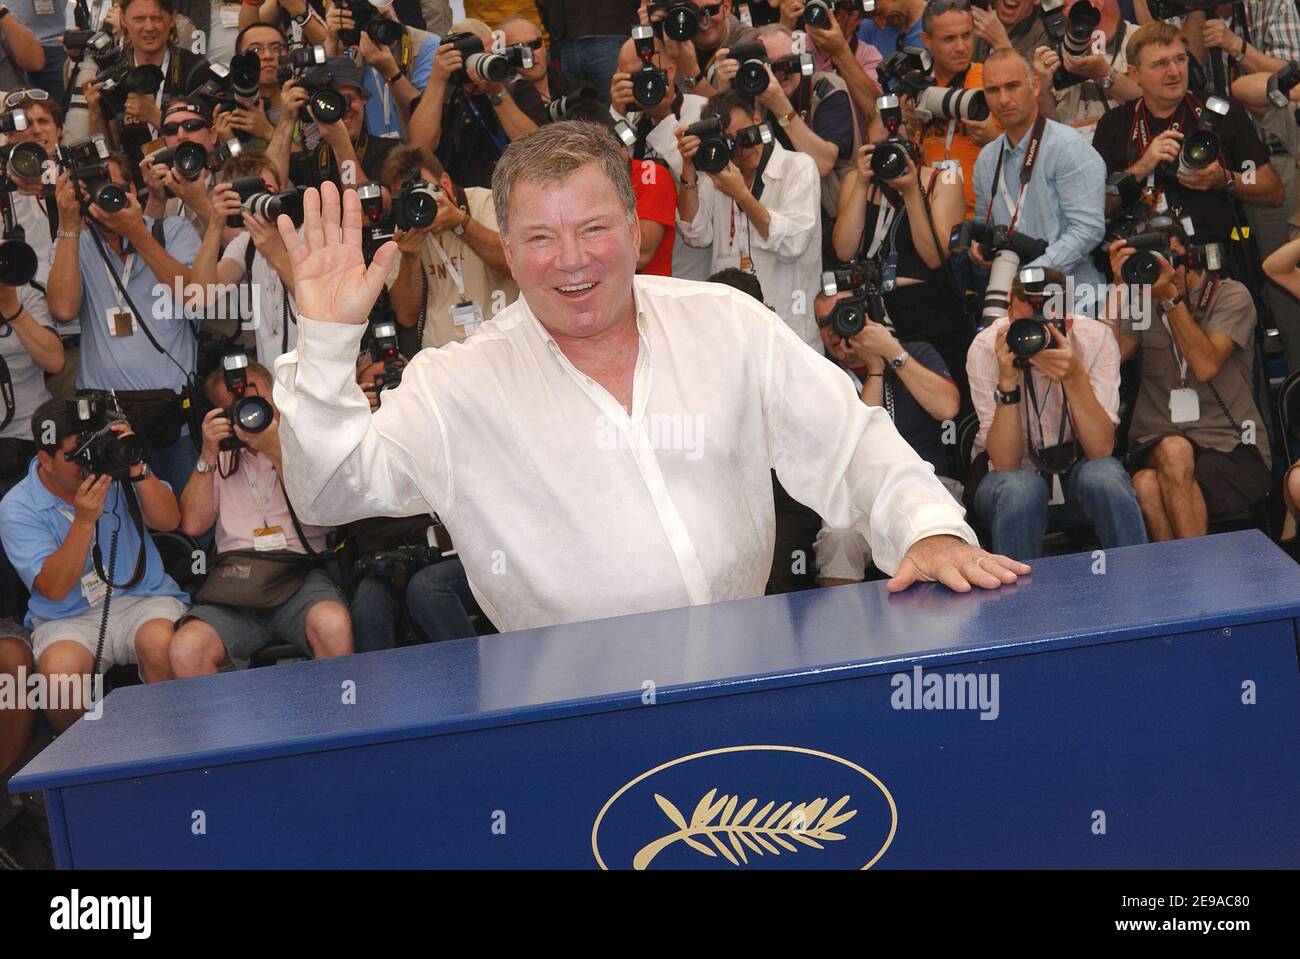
<point x="195" y="650"/>
<point x="1147" y="485"/>
<point x="329" y="630"/>
<point x="152" y="645"/>
<point x="14" y="654"/>
<point x="1174" y="458"/>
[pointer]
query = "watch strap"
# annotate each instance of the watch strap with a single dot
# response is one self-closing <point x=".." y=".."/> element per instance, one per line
<point x="1010" y="398"/>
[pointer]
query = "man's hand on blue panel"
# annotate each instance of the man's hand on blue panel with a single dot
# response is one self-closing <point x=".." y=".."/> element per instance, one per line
<point x="956" y="564"/>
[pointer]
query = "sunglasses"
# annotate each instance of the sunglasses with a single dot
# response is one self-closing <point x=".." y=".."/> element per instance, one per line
<point x="18" y="96"/>
<point x="533" y="44"/>
<point x="709" y="12"/>
<point x="189" y="126"/>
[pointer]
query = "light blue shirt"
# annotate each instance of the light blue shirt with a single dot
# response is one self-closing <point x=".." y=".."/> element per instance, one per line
<point x="885" y="39"/>
<point x="131" y="362"/>
<point x="421" y="68"/>
<point x="1061" y="203"/>
<point x="34" y="523"/>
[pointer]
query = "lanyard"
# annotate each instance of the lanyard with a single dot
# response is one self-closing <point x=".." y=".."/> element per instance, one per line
<point x="1207" y="294"/>
<point x="260" y="502"/>
<point x="731" y="241"/>
<point x="1140" y="134"/>
<point x="385" y="98"/>
<point x="495" y="135"/>
<point x="1026" y="171"/>
<point x="127" y="264"/>
<point x="886" y="213"/>
<point x="456" y="276"/>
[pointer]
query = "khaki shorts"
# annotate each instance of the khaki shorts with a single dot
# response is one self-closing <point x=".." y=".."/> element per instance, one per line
<point x="125" y="617"/>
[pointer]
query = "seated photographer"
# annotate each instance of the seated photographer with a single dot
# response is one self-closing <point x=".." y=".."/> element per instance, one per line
<point x="285" y="595"/>
<point x="893" y="25"/>
<point x="904" y="223"/>
<point x="837" y="48"/>
<point x="253" y="254"/>
<point x="1097" y="81"/>
<point x="655" y="125"/>
<point x="1254" y="35"/>
<point x="776" y="237"/>
<point x="949" y="36"/>
<point x="451" y="275"/>
<point x="345" y="153"/>
<point x="170" y="192"/>
<point x="544" y="82"/>
<point x="808" y="114"/>
<point x="148" y="27"/>
<point x="1145" y="138"/>
<point x="1048" y="407"/>
<point x="49" y="523"/>
<point x="139" y="344"/>
<point x="29" y="347"/>
<point x="1198" y="448"/>
<point x="1039" y="179"/>
<point x="395" y="73"/>
<point x="1008" y="23"/>
<point x="466" y="120"/>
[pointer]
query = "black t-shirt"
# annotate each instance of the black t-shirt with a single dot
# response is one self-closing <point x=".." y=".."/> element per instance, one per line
<point x="185" y="72"/>
<point x="472" y="139"/>
<point x="314" y="168"/>
<point x="1213" y="212"/>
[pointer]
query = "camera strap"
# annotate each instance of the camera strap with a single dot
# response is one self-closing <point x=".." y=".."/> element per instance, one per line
<point x="1026" y="172"/>
<point x="7" y="391"/>
<point x="1208" y="291"/>
<point x="424" y="309"/>
<point x="1035" y="452"/>
<point x="497" y="137"/>
<point x="133" y="508"/>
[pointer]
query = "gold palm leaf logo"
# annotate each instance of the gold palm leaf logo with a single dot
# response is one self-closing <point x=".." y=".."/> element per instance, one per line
<point x="714" y="819"/>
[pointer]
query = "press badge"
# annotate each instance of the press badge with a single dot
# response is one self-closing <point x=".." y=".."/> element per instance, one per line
<point x="230" y="16"/>
<point x="43" y="7"/>
<point x="93" y="588"/>
<point x="120" y="322"/>
<point x="1184" y="405"/>
<point x="272" y="537"/>
<point x="467" y="315"/>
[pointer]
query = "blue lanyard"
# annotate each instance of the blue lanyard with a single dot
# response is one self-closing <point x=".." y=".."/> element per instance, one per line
<point x="497" y="138"/>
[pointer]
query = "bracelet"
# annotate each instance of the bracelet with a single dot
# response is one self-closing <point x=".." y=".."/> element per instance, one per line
<point x="690" y="186"/>
<point x="68" y="234"/>
<point x="10" y="320"/>
<point x="394" y="78"/>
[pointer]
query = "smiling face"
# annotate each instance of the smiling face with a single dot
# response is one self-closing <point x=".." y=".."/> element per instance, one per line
<point x="1011" y="12"/>
<point x="204" y="134"/>
<point x="573" y="250"/>
<point x="148" y="25"/>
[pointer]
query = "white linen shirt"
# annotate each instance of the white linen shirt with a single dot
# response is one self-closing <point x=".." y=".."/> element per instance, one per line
<point x="789" y="262"/>
<point x="564" y="508"/>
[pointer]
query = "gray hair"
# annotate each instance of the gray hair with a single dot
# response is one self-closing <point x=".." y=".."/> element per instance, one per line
<point x="552" y="154"/>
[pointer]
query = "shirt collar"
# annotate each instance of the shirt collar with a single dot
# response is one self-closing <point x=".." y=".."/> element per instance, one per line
<point x="554" y="348"/>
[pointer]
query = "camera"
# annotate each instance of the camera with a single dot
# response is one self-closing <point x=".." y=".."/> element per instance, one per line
<point x="23" y="161"/>
<point x="649" y="84"/>
<point x="215" y="91"/>
<point x="252" y="414"/>
<point x="100" y="450"/>
<point x="246" y="187"/>
<point x="299" y="59"/>
<point x="86" y="161"/>
<point x="244" y="75"/>
<point x="752" y="77"/>
<point x="1007" y="251"/>
<point x="889" y="159"/>
<point x="1204" y="258"/>
<point x="188" y="159"/>
<point x="394" y="565"/>
<point x="1030" y="335"/>
<point x="681" y="19"/>
<point x="118" y="76"/>
<point x="817" y="13"/>
<point x="325" y="104"/>
<point x="383" y="349"/>
<point x="383" y="31"/>
<point x="849" y="316"/>
<point x="1202" y="146"/>
<point x="716" y="147"/>
<point x="75" y="41"/>
<point x="1074" y="38"/>
<point x="373" y="232"/>
<point x="907" y="72"/>
<point x="1143" y="267"/>
<point x="416" y="204"/>
<point x="14" y="121"/>
<point x="582" y="104"/>
<point x="1166" y="9"/>
<point x="483" y="67"/>
<point x="269" y="206"/>
<point x="17" y="258"/>
<point x="1282" y="83"/>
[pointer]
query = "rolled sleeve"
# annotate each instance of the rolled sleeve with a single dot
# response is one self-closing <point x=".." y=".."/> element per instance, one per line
<point x="793" y="212"/>
<point x="699" y="231"/>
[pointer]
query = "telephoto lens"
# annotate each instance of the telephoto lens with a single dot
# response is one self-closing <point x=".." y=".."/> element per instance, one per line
<point x="188" y="159"/>
<point x="14" y="121"/>
<point x="952" y="103"/>
<point x="752" y="76"/>
<point x="269" y="206"/>
<point x="24" y="161"/>
<point x="715" y="150"/>
<point x="1081" y="23"/>
<point x="681" y="21"/>
<point x="17" y="263"/>
<point x="1143" y="267"/>
<point x="327" y="105"/>
<point x="109" y="197"/>
<point x="245" y="70"/>
<point x="817" y="13"/>
<point x="1002" y="273"/>
<point x="487" y="67"/>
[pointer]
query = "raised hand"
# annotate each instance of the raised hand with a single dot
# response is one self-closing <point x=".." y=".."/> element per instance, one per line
<point x="330" y="279"/>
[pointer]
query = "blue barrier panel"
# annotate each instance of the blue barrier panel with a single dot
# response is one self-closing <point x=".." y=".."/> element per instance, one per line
<point x="1139" y="708"/>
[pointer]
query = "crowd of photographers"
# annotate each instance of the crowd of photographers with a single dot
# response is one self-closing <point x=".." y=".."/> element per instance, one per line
<point x="1038" y="233"/>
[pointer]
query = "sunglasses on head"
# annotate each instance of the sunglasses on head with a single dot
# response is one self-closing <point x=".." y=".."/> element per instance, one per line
<point x="18" y="96"/>
<point x="189" y="126"/>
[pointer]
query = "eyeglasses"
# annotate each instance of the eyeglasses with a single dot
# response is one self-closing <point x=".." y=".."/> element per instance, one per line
<point x="189" y="126"/>
<point x="277" y="48"/>
<point x="709" y="12"/>
<point x="533" y="44"/>
<point x="1159" y="66"/>
<point x="18" y="96"/>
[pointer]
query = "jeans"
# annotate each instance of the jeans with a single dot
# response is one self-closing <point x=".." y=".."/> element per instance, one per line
<point x="1098" y="493"/>
<point x="374" y="614"/>
<point x="594" y="59"/>
<point x="175" y="463"/>
<point x="437" y="597"/>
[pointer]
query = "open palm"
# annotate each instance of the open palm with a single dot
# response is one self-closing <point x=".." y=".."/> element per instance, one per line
<point x="330" y="277"/>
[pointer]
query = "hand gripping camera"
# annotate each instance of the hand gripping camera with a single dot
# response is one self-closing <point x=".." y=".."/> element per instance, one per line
<point x="482" y="66"/>
<point x="1029" y="336"/>
<point x="1070" y="34"/>
<point x="85" y="159"/>
<point x="752" y="78"/>
<point x="850" y="315"/>
<point x="251" y="413"/>
<point x="649" y="83"/>
<point x="909" y="72"/>
<point x="1007" y="251"/>
<point x="416" y="204"/>
<point x="380" y="29"/>
<point x="188" y="159"/>
<point x="681" y="19"/>
<point x="889" y="159"/>
<point x="100" y="450"/>
<point x="1202" y="146"/>
<point x="716" y="147"/>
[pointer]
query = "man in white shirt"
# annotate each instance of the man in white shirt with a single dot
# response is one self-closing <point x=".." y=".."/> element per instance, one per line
<point x="761" y="213"/>
<point x="604" y="446"/>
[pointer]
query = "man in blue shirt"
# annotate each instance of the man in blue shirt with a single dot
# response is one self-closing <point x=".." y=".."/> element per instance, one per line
<point x="48" y="524"/>
<point x="118" y="332"/>
<point x="1062" y="202"/>
<point x="894" y="24"/>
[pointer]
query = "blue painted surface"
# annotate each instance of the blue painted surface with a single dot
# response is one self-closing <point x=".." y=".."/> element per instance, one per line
<point x="1118" y="693"/>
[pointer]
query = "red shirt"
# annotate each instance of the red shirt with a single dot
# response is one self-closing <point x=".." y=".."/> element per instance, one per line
<point x="656" y="200"/>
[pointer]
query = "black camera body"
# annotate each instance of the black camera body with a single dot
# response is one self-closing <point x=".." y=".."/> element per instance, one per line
<point x="324" y="103"/>
<point x="1166" y="9"/>
<point x="416" y="205"/>
<point x="1202" y="146"/>
<point x="1007" y="251"/>
<point x="100" y="450"/>
<point x="383" y="31"/>
<point x="384" y="349"/>
<point x="1075" y="36"/>
<point x="582" y="104"/>
<point x="114" y="70"/>
<point x="269" y="205"/>
<point x="906" y="71"/>
<point x="188" y="159"/>
<point x="252" y="414"/>
<point x="849" y="316"/>
<point x="1030" y="335"/>
<point x="298" y="60"/>
<point x="716" y="147"/>
<point x="22" y="161"/>
<point x="889" y="159"/>
<point x="246" y="187"/>
<point x="18" y="261"/>
<point x="649" y="83"/>
<point x="394" y="565"/>
<point x="681" y="19"/>
<point x="483" y="66"/>
<point x="85" y="160"/>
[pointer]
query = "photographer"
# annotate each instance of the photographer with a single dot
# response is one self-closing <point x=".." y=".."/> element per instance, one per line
<point x="452" y="274"/>
<point x="468" y="123"/>
<point x="717" y="27"/>
<point x="919" y="395"/>
<point x="395" y="73"/>
<point x="31" y="201"/>
<point x="20" y="52"/>
<point x="1106" y="82"/>
<point x="893" y="25"/>
<point x="1056" y="195"/>
<point x="1145" y="138"/>
<point x="254" y="123"/>
<point x="1009" y="23"/>
<point x="184" y="121"/>
<point x="542" y="83"/>
<point x="1198" y="449"/>
<point x="344" y="152"/>
<point x="1047" y="429"/>
<point x="285" y="596"/>
<point x="1283" y="268"/>
<point x="761" y="212"/>
<point x="254" y="255"/>
<point x="948" y="30"/>
<point x="116" y="351"/>
<point x="838" y="49"/>
<point x="1256" y="35"/>
<point x="906" y="221"/>
<point x="811" y="115"/>
<point x="49" y="523"/>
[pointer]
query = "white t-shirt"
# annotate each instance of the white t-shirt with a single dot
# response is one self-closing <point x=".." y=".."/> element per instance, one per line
<point x="267" y="303"/>
<point x="28" y="378"/>
<point x="222" y="32"/>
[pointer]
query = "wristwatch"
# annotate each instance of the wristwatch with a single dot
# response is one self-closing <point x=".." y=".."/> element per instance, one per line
<point x="144" y="474"/>
<point x="898" y="361"/>
<point x="394" y="78"/>
<point x="688" y="83"/>
<point x="1110" y="79"/>
<point x="785" y="119"/>
<point x="203" y="467"/>
<point x="496" y="98"/>
<point x="1238" y="57"/>
<point x="1169" y="304"/>
<point x="459" y="229"/>
<point x="1007" y="399"/>
<point x="1230" y="184"/>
